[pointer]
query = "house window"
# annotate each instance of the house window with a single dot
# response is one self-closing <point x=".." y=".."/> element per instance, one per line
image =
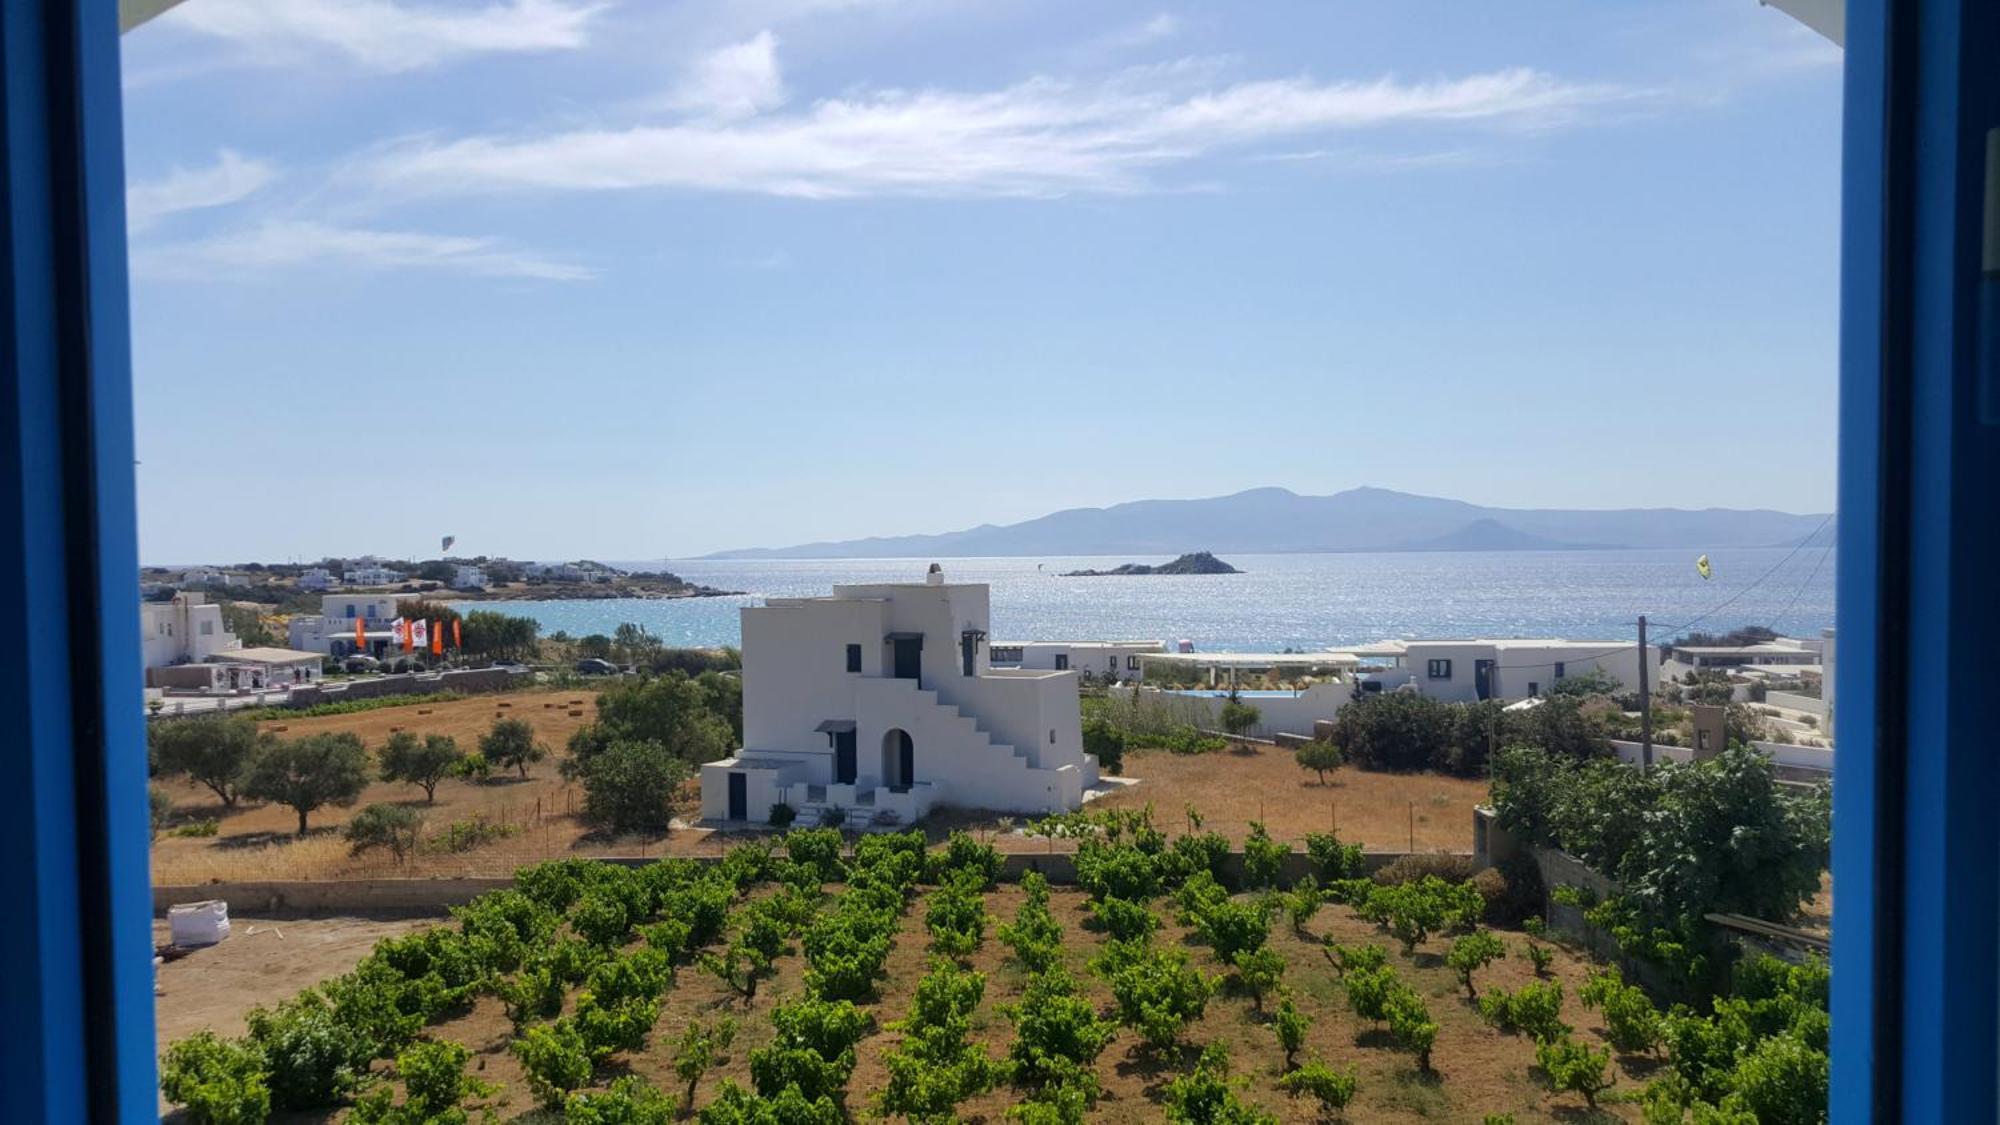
<point x="854" y="658"/>
<point x="350" y="611"/>
<point x="1131" y="664"/>
<point x="1112" y="664"/>
<point x="208" y="628"/>
<point x="1559" y="669"/>
<point x="1052" y="736"/>
<point x="1440" y="669"/>
<point x="1062" y="662"/>
<point x="1534" y="689"/>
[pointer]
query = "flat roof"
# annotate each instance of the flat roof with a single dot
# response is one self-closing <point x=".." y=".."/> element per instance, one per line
<point x="1241" y="659"/>
<point x="264" y="656"/>
<point x="1761" y="649"/>
<point x="1075" y="644"/>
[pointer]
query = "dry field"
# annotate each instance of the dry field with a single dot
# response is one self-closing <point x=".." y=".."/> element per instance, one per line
<point x="1478" y="1070"/>
<point x="257" y="841"/>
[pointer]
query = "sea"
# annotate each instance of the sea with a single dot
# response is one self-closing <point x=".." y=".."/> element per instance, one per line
<point x="1300" y="601"/>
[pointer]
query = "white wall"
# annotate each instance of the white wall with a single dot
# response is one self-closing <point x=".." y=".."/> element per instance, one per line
<point x="188" y="629"/>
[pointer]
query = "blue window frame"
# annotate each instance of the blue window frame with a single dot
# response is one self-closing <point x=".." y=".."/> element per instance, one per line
<point x="1916" y="963"/>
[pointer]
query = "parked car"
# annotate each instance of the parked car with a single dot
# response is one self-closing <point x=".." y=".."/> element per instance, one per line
<point x="360" y="663"/>
<point x="592" y="666"/>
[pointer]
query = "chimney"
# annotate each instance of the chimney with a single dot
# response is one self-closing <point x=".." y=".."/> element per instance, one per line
<point x="935" y="577"/>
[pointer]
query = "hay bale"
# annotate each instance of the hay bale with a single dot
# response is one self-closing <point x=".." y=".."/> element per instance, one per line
<point x="576" y="714"/>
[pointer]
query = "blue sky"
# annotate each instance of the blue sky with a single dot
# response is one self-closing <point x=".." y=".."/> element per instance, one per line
<point x="641" y="278"/>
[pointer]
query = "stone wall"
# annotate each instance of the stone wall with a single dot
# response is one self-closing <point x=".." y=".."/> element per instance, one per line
<point x="466" y="680"/>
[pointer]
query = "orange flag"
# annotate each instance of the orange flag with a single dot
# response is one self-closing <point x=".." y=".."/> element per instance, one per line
<point x="457" y="641"/>
<point x="360" y="634"/>
<point x="404" y="634"/>
<point x="437" y="639"/>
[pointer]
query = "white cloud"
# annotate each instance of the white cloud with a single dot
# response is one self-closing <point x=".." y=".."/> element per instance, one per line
<point x="738" y="81"/>
<point x="1038" y="138"/>
<point x="389" y="35"/>
<point x="230" y="179"/>
<point x="280" y="244"/>
<point x="1165" y="25"/>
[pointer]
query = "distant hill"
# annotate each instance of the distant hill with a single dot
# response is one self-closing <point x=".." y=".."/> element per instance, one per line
<point x="1277" y="520"/>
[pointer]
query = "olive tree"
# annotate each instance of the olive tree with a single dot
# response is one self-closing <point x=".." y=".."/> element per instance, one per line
<point x="214" y="752"/>
<point x="307" y="773"/>
<point x="420" y="761"/>
<point x="511" y="742"/>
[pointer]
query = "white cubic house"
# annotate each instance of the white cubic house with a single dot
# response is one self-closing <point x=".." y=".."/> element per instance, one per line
<point x="882" y="701"/>
<point x="1102" y="660"/>
<point x="1506" y="669"/>
<point x="332" y="631"/>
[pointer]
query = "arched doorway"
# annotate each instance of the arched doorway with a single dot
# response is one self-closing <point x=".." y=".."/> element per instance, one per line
<point x="899" y="759"/>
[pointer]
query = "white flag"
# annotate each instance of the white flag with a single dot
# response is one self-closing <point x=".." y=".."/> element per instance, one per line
<point x="420" y="633"/>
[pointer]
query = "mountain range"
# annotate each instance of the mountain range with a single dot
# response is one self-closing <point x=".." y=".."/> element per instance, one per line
<point x="1277" y="520"/>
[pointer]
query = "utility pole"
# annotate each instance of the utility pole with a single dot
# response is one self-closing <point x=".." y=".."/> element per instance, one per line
<point x="1645" y="703"/>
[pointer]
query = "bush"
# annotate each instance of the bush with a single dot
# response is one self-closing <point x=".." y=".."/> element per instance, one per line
<point x="1290" y="1024"/>
<point x="629" y="786"/>
<point x="1231" y="927"/>
<point x="962" y="855"/>
<point x="789" y="1106"/>
<point x="391" y="827"/>
<point x="1471" y="953"/>
<point x="956" y="916"/>
<point x="1630" y="1020"/>
<point x="812" y="1048"/>
<point x="1573" y="1066"/>
<point x="1206" y="1096"/>
<point x="1368" y="991"/>
<point x="310" y="1059"/>
<point x="701" y="1047"/>
<point x="1320" y="757"/>
<point x="1034" y="935"/>
<point x="1781" y="1079"/>
<point x="934" y="1068"/>
<point x="555" y="1060"/>
<point x="1413" y="911"/>
<point x="465" y="835"/>
<point x="1259" y="971"/>
<point x="161" y="806"/>
<point x="1414" y="868"/>
<point x="782" y="815"/>
<point x="1112" y="870"/>
<point x="1332" y="860"/>
<point x="1123" y="919"/>
<point x="631" y="1100"/>
<point x="434" y="1083"/>
<point x="1331" y="1088"/>
<point x="1302" y="903"/>
<point x="1347" y="959"/>
<point x="215" y="1081"/>
<point x="1107" y="742"/>
<point x="1057" y="1032"/>
<point x="1411" y="1025"/>
<point x="1158" y="993"/>
<point x="817" y="849"/>
<point x="1263" y="857"/>
<point x="1534" y="1009"/>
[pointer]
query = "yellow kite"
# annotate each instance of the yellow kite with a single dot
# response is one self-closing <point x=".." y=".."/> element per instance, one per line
<point x="1701" y="565"/>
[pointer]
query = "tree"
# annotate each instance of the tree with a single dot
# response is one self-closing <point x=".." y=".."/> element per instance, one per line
<point x="511" y="742"/>
<point x="1410" y="1024"/>
<point x="420" y="761"/>
<point x="1239" y="717"/>
<point x="1104" y="739"/>
<point x="1158" y="992"/>
<point x="674" y="710"/>
<point x="595" y="646"/>
<point x="701" y="1047"/>
<point x="1331" y="1088"/>
<point x="247" y="622"/>
<point x="498" y="636"/>
<point x="1260" y="972"/>
<point x="307" y="773"/>
<point x="1321" y="757"/>
<point x="215" y="752"/>
<point x="384" y="826"/>
<point x="629" y="786"/>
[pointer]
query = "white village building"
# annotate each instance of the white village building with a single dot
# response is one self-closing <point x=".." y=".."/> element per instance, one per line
<point x="187" y="629"/>
<point x="318" y="580"/>
<point x="372" y="574"/>
<point x="882" y="701"/>
<point x="468" y="577"/>
<point x="1101" y="660"/>
<point x="332" y="631"/>
<point x="1507" y="669"/>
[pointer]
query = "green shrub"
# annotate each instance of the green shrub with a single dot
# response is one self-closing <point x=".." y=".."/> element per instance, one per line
<point x="1123" y="919"/>
<point x="1411" y="1025"/>
<point x="1259" y="972"/>
<point x="819" y="850"/>
<point x="1107" y="742"/>
<point x="216" y="1081"/>
<point x="1331" y="1088"/>
<point x="812" y="1048"/>
<point x="1573" y="1066"/>
<point x="790" y="1106"/>
<point x="956" y="915"/>
<point x="1354" y="958"/>
<point x="1290" y="1024"/>
<point x="965" y="857"/>
<point x="631" y="1100"/>
<point x="700" y="1048"/>
<point x="934" y="1068"/>
<point x="1263" y="857"/>
<point x="1112" y="870"/>
<point x="609" y="1026"/>
<point x="1333" y="860"/>
<point x="1034" y="935"/>
<point x="629" y="786"/>
<point x="1232" y="928"/>
<point x="1302" y="902"/>
<point x="1631" y="1022"/>
<point x="201" y="829"/>
<point x="1368" y="991"/>
<point x="782" y="815"/>
<point x="392" y="828"/>
<point x="1541" y="957"/>
<point x="1534" y="1010"/>
<point x="1057" y="1031"/>
<point x="1781" y="1080"/>
<point x="465" y="835"/>
<point x="1158" y="993"/>
<point x="434" y="1083"/>
<point x="555" y="1060"/>
<point x="1207" y="1096"/>
<point x="1471" y="953"/>
<point x="601" y="919"/>
<point x="311" y="1059"/>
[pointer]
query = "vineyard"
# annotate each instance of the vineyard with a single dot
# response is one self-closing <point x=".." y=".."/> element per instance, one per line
<point x="799" y="980"/>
